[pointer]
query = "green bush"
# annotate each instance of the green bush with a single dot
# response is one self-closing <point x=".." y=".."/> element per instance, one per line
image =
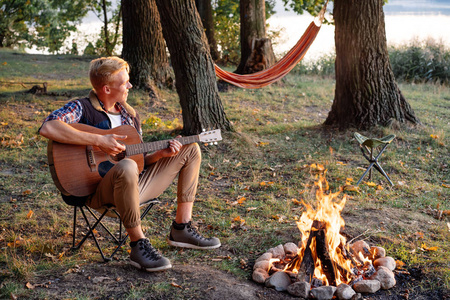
<point x="421" y="61"/>
<point x="323" y="66"/>
<point x="416" y="61"/>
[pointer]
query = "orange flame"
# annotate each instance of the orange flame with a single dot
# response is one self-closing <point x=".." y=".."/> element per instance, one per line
<point x="327" y="211"/>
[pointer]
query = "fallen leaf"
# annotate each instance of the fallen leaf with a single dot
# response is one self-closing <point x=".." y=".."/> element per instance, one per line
<point x="241" y="200"/>
<point x="446" y="185"/>
<point x="237" y="219"/>
<point x="30" y="214"/>
<point x="369" y="183"/>
<point x="419" y="235"/>
<point x="426" y="248"/>
<point x="29" y="286"/>
<point x="379" y="187"/>
<point x="351" y="188"/>
<point x="399" y="264"/>
<point x="448" y="226"/>
<point x="340" y="163"/>
<point x="3" y="123"/>
<point x="296" y="202"/>
<point x="238" y="164"/>
<point x="251" y="208"/>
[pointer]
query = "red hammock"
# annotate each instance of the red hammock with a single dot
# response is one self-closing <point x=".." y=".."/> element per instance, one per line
<point x="279" y="69"/>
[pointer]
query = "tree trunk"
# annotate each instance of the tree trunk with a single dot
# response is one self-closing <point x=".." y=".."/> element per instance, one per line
<point x="144" y="47"/>
<point x="366" y="93"/>
<point x="256" y="49"/>
<point x="195" y="77"/>
<point x="205" y="11"/>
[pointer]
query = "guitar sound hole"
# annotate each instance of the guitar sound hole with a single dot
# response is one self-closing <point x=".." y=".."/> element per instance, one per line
<point x="118" y="157"/>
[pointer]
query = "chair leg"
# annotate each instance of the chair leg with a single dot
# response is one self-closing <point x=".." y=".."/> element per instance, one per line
<point x="98" y="221"/>
<point x="74" y="229"/>
<point x="365" y="173"/>
<point x="91" y="232"/>
<point x="380" y="169"/>
<point x="373" y="163"/>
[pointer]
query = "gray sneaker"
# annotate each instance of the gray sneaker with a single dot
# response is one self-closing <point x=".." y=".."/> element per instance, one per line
<point x="188" y="237"/>
<point x="144" y="256"/>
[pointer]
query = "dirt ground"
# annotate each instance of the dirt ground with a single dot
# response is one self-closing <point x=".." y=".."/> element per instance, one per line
<point x="117" y="279"/>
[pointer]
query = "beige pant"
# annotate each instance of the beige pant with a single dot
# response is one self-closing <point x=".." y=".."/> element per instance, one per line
<point x="125" y="189"/>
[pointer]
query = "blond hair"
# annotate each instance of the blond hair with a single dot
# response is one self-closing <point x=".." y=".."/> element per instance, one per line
<point x="102" y="69"/>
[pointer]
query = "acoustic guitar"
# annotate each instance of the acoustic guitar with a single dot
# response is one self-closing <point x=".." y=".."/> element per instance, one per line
<point x="77" y="170"/>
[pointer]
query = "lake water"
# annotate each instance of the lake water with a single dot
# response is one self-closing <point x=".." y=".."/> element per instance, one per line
<point x="405" y="20"/>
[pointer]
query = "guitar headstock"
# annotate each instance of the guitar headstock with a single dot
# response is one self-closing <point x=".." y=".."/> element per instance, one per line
<point x="211" y="136"/>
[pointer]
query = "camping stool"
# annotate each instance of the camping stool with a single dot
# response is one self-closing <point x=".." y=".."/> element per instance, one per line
<point x="79" y="203"/>
<point x="367" y="146"/>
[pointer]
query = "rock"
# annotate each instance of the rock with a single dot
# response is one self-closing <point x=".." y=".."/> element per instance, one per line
<point x="279" y="281"/>
<point x="387" y="262"/>
<point x="323" y="292"/>
<point x="277" y="252"/>
<point x="361" y="246"/>
<point x="260" y="275"/>
<point x="290" y="249"/>
<point x="385" y="276"/>
<point x="377" y="252"/>
<point x="357" y="296"/>
<point x="344" y="292"/>
<point x="367" y="286"/>
<point x="265" y="256"/>
<point x="263" y="264"/>
<point x="299" y="289"/>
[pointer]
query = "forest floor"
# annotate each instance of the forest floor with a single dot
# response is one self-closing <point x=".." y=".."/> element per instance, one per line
<point x="250" y="191"/>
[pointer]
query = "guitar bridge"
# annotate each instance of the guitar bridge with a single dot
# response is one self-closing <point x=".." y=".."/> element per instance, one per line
<point x="91" y="158"/>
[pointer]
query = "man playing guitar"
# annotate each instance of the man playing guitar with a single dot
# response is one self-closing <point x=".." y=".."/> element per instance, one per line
<point x="123" y="185"/>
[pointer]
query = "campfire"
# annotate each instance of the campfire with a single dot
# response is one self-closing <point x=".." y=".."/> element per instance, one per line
<point x="324" y="264"/>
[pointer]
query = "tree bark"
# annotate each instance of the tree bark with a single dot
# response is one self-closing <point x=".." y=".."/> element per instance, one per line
<point x="256" y="50"/>
<point x="195" y="77"/>
<point x="205" y="11"/>
<point x="144" y="47"/>
<point x="366" y="93"/>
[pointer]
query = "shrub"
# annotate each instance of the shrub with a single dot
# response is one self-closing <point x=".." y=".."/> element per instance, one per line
<point x="421" y="61"/>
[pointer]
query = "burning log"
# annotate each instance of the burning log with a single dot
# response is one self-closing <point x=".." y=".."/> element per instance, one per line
<point x="317" y="236"/>
<point x="328" y="266"/>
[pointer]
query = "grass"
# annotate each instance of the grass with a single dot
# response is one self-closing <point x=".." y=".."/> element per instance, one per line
<point x="250" y="184"/>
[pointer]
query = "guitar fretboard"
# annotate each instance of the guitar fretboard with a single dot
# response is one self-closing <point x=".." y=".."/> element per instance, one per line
<point x="158" y="145"/>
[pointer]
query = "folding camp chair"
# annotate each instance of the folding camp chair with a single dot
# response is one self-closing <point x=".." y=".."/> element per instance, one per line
<point x="367" y="146"/>
<point x="78" y="203"/>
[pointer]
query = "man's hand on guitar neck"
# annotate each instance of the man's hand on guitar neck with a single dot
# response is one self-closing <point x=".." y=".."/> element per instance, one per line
<point x="172" y="150"/>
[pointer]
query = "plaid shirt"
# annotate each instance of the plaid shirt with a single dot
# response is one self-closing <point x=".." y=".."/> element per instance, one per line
<point x="73" y="110"/>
